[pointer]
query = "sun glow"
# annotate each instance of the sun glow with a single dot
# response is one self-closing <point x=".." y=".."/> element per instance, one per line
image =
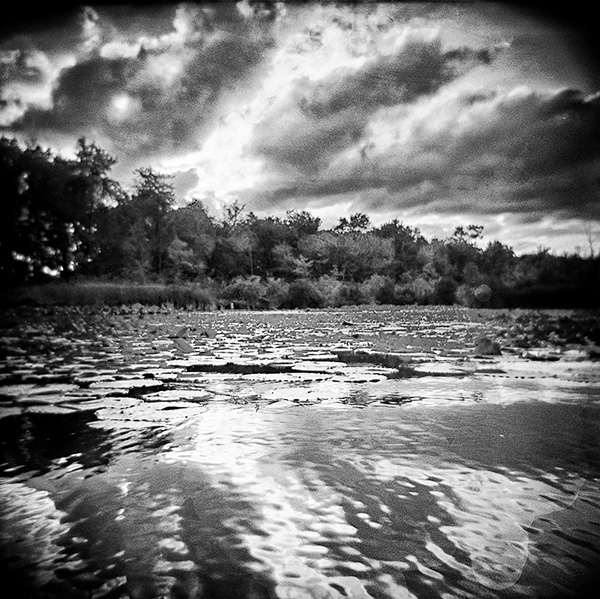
<point x="122" y="106"/>
<point x="223" y="165"/>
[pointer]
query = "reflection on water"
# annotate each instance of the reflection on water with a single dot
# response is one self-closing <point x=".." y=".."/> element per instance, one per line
<point x="37" y="441"/>
<point x="129" y="470"/>
<point x="312" y="502"/>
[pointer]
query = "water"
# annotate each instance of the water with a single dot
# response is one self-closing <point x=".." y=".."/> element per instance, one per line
<point x="134" y="468"/>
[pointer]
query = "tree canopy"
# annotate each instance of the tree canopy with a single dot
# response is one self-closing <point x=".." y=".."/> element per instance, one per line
<point x="62" y="218"/>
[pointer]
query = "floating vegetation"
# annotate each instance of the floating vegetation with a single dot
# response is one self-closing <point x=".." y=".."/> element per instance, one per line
<point x="75" y="358"/>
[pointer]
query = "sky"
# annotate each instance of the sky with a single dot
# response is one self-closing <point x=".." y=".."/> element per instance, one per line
<point x="436" y="114"/>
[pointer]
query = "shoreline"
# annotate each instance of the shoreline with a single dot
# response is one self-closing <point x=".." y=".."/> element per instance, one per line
<point x="209" y="295"/>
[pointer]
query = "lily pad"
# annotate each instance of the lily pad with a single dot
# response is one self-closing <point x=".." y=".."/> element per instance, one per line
<point x="183" y="345"/>
<point x="48" y="409"/>
<point x="190" y="395"/>
<point x="439" y="369"/>
<point x="6" y="411"/>
<point x="34" y="401"/>
<point x="147" y="384"/>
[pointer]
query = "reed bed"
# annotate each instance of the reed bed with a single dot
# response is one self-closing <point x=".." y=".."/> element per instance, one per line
<point x="112" y="294"/>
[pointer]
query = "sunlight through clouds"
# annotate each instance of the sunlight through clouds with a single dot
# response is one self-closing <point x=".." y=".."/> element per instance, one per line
<point x="428" y="109"/>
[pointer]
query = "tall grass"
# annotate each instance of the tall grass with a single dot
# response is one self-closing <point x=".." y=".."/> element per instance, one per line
<point x="112" y="294"/>
<point x="257" y="294"/>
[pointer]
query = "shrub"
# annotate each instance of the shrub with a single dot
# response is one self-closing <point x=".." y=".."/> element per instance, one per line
<point x="245" y="292"/>
<point x="404" y="295"/>
<point x="329" y="286"/>
<point x="464" y="295"/>
<point x="275" y="292"/>
<point x="303" y="293"/>
<point x="350" y="294"/>
<point x="379" y="289"/>
<point x="423" y="290"/>
<point x="444" y="291"/>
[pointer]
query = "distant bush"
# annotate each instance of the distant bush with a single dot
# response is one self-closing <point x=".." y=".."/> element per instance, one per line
<point x="404" y="295"/>
<point x="275" y="292"/>
<point x="245" y="292"/>
<point x="423" y="290"/>
<point x="254" y="293"/>
<point x="464" y="295"/>
<point x="378" y="289"/>
<point x="444" y="291"/>
<point x="351" y="294"/>
<point x="328" y="286"/>
<point x="303" y="293"/>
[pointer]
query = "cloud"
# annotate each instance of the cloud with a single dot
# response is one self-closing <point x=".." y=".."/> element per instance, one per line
<point x="26" y="75"/>
<point x="409" y="109"/>
<point x="489" y="152"/>
<point x="144" y="96"/>
<point x="183" y="182"/>
<point x="320" y="118"/>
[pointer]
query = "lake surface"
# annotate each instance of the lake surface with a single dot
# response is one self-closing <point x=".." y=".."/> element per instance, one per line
<point x="364" y="453"/>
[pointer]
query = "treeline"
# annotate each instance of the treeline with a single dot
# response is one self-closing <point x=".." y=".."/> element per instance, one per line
<point x="67" y="219"/>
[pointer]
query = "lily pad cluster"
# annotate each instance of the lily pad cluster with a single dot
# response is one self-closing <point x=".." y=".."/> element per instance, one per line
<point x="552" y="329"/>
<point x="159" y="367"/>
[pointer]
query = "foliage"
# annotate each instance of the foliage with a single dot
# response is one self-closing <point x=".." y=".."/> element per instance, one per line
<point x="301" y="223"/>
<point x="153" y="199"/>
<point x="303" y="293"/>
<point x="379" y="290"/>
<point x="275" y="292"/>
<point x="67" y="218"/>
<point x="245" y="292"/>
<point x="328" y="286"/>
<point x="357" y="223"/>
<point x="113" y="293"/>
<point x="49" y="209"/>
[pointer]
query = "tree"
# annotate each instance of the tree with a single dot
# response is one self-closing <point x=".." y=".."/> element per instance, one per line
<point x="193" y="226"/>
<point x="94" y="192"/>
<point x="268" y="233"/>
<point x="14" y="265"/>
<point x="407" y="242"/>
<point x="288" y="263"/>
<point x="321" y="251"/>
<point x="153" y="199"/>
<point x="233" y="215"/>
<point x="462" y="250"/>
<point x="301" y="224"/>
<point x="182" y="261"/>
<point x="357" y="223"/>
<point x="233" y="255"/>
<point x="361" y="255"/>
<point x="469" y="235"/>
<point x="498" y="261"/>
<point x="589" y="235"/>
<point x="50" y="208"/>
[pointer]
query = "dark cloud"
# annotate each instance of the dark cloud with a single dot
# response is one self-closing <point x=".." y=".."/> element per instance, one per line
<point x="563" y="134"/>
<point x="420" y="68"/>
<point x="552" y="40"/>
<point x="22" y="66"/>
<point x="24" y="25"/>
<point x="524" y="153"/>
<point x="290" y="137"/>
<point x="121" y="93"/>
<point x="82" y="95"/>
<point x="320" y="118"/>
<point x="130" y="19"/>
<point x="399" y="129"/>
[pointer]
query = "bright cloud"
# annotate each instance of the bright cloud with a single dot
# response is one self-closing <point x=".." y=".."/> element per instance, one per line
<point x="430" y="113"/>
